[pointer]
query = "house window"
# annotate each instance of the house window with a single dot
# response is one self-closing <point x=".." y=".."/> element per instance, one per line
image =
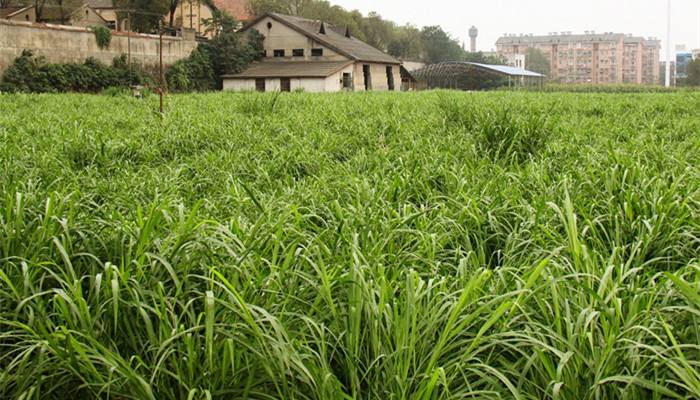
<point x="285" y="85"/>
<point x="390" y="78"/>
<point x="278" y="53"/>
<point x="260" y="85"/>
<point x="347" y="80"/>
<point x="317" y="52"/>
<point x="298" y="52"/>
<point x="368" y="77"/>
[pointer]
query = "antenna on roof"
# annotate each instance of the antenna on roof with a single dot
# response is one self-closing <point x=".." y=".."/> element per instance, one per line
<point x="322" y="31"/>
<point x="347" y="32"/>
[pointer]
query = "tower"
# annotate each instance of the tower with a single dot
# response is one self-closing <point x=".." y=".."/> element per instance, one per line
<point x="473" y="34"/>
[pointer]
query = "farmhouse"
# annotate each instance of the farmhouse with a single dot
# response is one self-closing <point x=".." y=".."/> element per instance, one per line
<point x="311" y="55"/>
<point x="83" y="15"/>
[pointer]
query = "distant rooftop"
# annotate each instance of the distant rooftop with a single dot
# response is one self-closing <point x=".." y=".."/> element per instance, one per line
<point x="568" y="37"/>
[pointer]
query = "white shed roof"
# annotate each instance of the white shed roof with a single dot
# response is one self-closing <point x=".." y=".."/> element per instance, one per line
<point x="506" y="70"/>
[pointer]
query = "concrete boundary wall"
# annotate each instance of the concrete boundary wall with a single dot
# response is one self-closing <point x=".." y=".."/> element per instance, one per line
<point x="62" y="44"/>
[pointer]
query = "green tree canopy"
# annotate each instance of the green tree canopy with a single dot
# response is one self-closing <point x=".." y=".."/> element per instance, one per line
<point x="431" y="44"/>
<point x="693" y="78"/>
<point x="536" y="61"/>
<point x="144" y="14"/>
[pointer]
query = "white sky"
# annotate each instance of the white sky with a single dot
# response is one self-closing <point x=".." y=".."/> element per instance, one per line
<point x="496" y="17"/>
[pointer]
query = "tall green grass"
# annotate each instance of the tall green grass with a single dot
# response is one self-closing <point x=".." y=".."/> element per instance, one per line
<point x="431" y="245"/>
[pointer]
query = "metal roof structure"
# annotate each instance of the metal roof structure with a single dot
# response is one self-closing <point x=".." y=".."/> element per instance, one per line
<point x="452" y="66"/>
<point x="465" y="75"/>
<point x="507" y="70"/>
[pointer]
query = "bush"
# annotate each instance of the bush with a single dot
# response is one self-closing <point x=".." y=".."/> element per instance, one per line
<point x="194" y="73"/>
<point x="33" y="74"/>
<point x="103" y="36"/>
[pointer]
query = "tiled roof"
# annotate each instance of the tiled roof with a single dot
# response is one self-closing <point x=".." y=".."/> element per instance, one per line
<point x="237" y="8"/>
<point x="334" y="38"/>
<point x="291" y="69"/>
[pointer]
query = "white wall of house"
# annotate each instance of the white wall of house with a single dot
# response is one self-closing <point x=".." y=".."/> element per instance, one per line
<point x="28" y="15"/>
<point x="86" y="17"/>
<point x="378" y="76"/>
<point x="239" y="85"/>
<point x="332" y="83"/>
<point x="311" y="85"/>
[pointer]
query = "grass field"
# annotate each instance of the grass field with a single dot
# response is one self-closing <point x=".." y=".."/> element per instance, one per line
<point x="433" y="245"/>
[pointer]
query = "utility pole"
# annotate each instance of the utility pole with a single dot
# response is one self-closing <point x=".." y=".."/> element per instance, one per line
<point x="668" y="45"/>
<point x="160" y="67"/>
<point x="128" y="39"/>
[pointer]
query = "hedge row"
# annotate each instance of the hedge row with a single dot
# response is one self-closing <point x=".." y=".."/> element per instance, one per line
<point x="30" y="73"/>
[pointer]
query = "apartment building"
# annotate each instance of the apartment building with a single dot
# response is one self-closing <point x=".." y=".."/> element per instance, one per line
<point x="590" y="57"/>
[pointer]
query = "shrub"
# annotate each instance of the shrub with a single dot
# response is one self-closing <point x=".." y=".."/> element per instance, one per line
<point x="33" y="74"/>
<point x="103" y="36"/>
<point x="193" y="73"/>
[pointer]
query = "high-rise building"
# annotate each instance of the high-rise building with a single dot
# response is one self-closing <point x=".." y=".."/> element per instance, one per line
<point x="590" y="57"/>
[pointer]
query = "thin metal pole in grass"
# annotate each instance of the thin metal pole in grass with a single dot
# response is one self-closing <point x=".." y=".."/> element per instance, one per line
<point x="161" y="90"/>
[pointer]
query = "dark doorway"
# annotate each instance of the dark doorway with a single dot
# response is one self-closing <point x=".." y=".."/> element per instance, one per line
<point x="347" y="81"/>
<point x="285" y="85"/>
<point x="368" y="77"/>
<point x="260" y="85"/>
<point x="390" y="77"/>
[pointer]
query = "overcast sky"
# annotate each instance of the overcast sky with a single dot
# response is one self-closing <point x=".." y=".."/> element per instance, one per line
<point x="496" y="17"/>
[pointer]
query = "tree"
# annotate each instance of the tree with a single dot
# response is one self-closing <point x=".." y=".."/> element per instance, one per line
<point x="693" y="78"/>
<point x="38" y="6"/>
<point x="406" y="43"/>
<point x="432" y="44"/>
<point x="144" y="15"/>
<point x="226" y="53"/>
<point x="536" y="61"/>
<point x="6" y="3"/>
<point x="440" y="46"/>
<point x="172" y="9"/>
<point x="66" y="7"/>
<point x="481" y="58"/>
